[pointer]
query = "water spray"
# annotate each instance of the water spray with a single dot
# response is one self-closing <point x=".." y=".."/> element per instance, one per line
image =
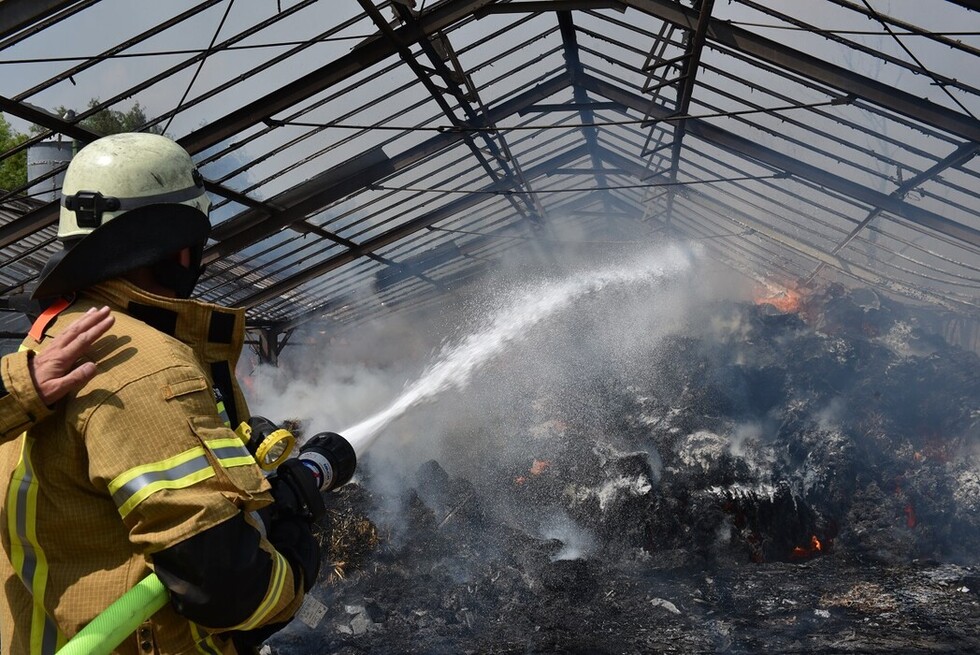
<point x="457" y="362"/>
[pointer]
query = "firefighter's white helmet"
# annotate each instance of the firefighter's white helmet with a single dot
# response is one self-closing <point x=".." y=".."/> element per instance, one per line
<point x="121" y="172"/>
<point x="128" y="200"/>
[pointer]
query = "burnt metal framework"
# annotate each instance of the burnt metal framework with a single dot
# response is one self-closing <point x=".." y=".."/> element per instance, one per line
<point x="366" y="157"/>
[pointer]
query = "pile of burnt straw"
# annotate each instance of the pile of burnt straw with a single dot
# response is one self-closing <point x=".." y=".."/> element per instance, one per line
<point x="765" y="482"/>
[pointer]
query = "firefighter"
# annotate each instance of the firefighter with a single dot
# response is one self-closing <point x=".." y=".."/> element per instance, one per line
<point x="53" y="374"/>
<point x="141" y="469"/>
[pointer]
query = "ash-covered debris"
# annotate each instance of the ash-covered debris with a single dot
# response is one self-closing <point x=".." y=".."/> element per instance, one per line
<point x="760" y="482"/>
<point x="864" y="440"/>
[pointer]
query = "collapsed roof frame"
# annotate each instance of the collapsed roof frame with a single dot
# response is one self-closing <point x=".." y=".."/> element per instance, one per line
<point x="421" y="35"/>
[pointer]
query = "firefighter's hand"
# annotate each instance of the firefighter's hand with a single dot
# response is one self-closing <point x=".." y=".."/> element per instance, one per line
<point x="54" y="369"/>
<point x="293" y="537"/>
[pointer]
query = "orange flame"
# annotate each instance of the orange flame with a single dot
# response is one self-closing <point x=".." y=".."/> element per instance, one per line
<point x="910" y="518"/>
<point x="539" y="466"/>
<point x="785" y="300"/>
<point x="805" y="552"/>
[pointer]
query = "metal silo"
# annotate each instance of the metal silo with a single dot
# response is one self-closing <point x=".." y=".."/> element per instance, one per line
<point x="43" y="159"/>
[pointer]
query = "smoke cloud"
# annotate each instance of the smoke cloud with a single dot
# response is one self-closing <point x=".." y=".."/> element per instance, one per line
<point x="481" y="429"/>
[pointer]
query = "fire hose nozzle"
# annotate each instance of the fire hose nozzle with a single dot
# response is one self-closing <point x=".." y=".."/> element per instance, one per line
<point x="324" y="463"/>
<point x="331" y="458"/>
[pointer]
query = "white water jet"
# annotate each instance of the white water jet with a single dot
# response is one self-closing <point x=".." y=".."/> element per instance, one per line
<point x="457" y="362"/>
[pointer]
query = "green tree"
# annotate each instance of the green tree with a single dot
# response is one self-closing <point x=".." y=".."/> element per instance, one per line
<point x="113" y="121"/>
<point x="13" y="169"/>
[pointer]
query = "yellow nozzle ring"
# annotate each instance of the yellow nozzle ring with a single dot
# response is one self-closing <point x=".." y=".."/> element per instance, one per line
<point x="274" y="449"/>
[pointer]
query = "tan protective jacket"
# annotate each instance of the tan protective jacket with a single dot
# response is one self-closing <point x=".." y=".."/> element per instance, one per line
<point x="135" y="462"/>
<point x="20" y="404"/>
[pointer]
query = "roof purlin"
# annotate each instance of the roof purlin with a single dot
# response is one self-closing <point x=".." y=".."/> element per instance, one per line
<point x="852" y="83"/>
<point x="741" y="146"/>
<point x="409" y="227"/>
<point x="320" y="196"/>
<point x="363" y="56"/>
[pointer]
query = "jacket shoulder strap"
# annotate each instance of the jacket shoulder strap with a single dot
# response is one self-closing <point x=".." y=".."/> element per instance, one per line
<point x="48" y="315"/>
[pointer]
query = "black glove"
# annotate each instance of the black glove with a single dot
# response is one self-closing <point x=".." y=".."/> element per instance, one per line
<point x="293" y="537"/>
<point x="290" y="519"/>
<point x="294" y="488"/>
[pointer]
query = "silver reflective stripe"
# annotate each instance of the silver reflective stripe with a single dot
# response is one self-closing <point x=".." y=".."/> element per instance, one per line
<point x="29" y="567"/>
<point x="30" y="557"/>
<point x="140" y="482"/>
<point x="228" y="452"/>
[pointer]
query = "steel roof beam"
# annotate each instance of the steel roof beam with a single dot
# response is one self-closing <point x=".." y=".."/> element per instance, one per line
<point x="691" y="62"/>
<point x="47" y="214"/>
<point x="39" y="24"/>
<point x="574" y="66"/>
<point x="546" y="108"/>
<point x="968" y="4"/>
<point x="499" y="153"/>
<point x="18" y="14"/>
<point x="467" y="249"/>
<point x="885" y="20"/>
<point x="310" y="196"/>
<point x="955" y="44"/>
<point x="813" y="68"/>
<point x="958" y="158"/>
<point x="846" y="267"/>
<point x="116" y="49"/>
<point x="689" y="73"/>
<point x="539" y="6"/>
<point x="363" y="56"/>
<point x="446" y="211"/>
<point x="744" y="147"/>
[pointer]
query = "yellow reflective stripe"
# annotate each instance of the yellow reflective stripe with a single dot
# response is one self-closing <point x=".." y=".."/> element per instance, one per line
<point x="223" y="413"/>
<point x="132" y="487"/>
<point x="230" y="452"/>
<point x="27" y="556"/>
<point x="204" y="643"/>
<point x="276" y="583"/>
<point x="15" y="513"/>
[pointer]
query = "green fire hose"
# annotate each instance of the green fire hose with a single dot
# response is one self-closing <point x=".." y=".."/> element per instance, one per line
<point x="119" y="620"/>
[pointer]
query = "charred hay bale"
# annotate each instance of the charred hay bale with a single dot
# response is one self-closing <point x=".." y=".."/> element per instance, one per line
<point x="934" y="395"/>
<point x="740" y="390"/>
<point x="965" y="516"/>
<point x="617" y="504"/>
<point x="820" y="367"/>
<point x="876" y="527"/>
<point x="822" y="464"/>
<point x="705" y="458"/>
